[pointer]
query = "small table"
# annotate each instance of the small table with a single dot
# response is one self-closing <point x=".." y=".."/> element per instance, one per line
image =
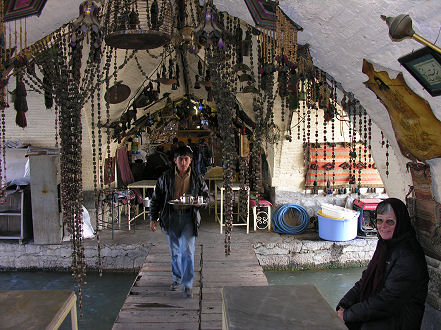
<point x="37" y="309"/>
<point x="277" y="307"/>
<point x="143" y="184"/>
<point x="215" y="180"/>
<point x="234" y="187"/>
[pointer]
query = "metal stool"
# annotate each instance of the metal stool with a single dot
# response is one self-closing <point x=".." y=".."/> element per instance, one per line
<point x="261" y="213"/>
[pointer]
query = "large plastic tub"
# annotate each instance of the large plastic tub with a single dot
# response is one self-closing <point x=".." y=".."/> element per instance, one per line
<point x="335" y="229"/>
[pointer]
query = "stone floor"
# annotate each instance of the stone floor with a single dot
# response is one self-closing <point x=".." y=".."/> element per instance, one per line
<point x="141" y="233"/>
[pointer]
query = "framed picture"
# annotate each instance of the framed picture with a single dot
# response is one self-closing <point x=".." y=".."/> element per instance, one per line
<point x="425" y="65"/>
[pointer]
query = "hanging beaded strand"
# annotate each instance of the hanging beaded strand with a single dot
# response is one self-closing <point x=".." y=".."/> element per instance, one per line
<point x="333" y="131"/>
<point x="370" y="141"/>
<point x="354" y="143"/>
<point x="316" y="145"/>
<point x="57" y="134"/>
<point x="3" y="105"/>
<point x="387" y="157"/>
<point x="308" y="123"/>
<point x="3" y="160"/>
<point x="365" y="138"/>
<point x="360" y="162"/>
<point x="349" y="110"/>
<point x="301" y="111"/>
<point x="108" y="135"/>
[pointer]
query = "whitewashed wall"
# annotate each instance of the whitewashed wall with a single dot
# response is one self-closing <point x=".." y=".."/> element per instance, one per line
<point x="40" y="131"/>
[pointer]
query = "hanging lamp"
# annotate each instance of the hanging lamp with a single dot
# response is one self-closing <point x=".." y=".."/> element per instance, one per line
<point x="139" y="24"/>
<point x="209" y="29"/>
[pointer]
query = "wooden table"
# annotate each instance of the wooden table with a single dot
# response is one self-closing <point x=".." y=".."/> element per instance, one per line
<point x="143" y="184"/>
<point x="241" y="220"/>
<point x="277" y="307"/>
<point x="37" y="309"/>
<point x="215" y="180"/>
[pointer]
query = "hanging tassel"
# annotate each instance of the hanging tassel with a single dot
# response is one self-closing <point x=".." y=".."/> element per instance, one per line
<point x="20" y="103"/>
<point x="20" y="119"/>
<point x="48" y="99"/>
<point x="154" y="12"/>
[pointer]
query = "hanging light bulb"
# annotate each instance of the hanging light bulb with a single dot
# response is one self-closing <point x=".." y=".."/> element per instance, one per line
<point x="201" y="106"/>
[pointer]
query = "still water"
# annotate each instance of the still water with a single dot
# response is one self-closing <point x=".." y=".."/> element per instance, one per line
<point x="332" y="283"/>
<point x="102" y="297"/>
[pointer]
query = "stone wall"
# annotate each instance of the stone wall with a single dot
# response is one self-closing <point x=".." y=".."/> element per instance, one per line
<point x="128" y="257"/>
<point x="303" y="254"/>
<point x="434" y="295"/>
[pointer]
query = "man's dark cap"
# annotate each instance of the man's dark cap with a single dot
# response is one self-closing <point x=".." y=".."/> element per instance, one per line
<point x="183" y="151"/>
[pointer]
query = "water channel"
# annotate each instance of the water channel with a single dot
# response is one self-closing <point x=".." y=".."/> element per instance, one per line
<point x="102" y="297"/>
<point x="332" y="283"/>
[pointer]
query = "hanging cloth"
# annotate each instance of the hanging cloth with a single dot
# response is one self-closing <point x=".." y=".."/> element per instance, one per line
<point x="124" y="169"/>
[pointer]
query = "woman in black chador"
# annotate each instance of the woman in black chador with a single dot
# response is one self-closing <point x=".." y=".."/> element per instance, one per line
<point x="392" y="290"/>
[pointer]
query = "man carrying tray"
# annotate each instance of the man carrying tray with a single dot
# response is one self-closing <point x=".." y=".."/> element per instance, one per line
<point x="180" y="221"/>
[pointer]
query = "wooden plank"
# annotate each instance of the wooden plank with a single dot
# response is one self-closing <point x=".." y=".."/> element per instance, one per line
<point x="148" y="275"/>
<point x="156" y="291"/>
<point x="211" y="308"/>
<point x="217" y="317"/>
<point x="157" y="326"/>
<point x="211" y="325"/>
<point x="157" y="316"/>
<point x="160" y="282"/>
<point x="174" y="301"/>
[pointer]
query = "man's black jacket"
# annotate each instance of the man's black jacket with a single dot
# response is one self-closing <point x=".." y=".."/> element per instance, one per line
<point x="164" y="192"/>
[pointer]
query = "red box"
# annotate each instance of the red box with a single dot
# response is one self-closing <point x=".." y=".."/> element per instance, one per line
<point x="366" y="220"/>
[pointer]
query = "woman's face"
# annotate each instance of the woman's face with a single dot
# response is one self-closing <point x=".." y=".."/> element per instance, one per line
<point x="386" y="224"/>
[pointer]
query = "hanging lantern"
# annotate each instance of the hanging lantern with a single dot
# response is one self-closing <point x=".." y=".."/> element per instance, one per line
<point x="209" y="30"/>
<point x="139" y="24"/>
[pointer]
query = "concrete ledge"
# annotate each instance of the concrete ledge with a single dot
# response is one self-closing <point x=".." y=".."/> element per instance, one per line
<point x="58" y="256"/>
<point x="306" y="254"/>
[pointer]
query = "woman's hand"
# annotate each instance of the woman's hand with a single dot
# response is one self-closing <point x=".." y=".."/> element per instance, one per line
<point x="340" y="313"/>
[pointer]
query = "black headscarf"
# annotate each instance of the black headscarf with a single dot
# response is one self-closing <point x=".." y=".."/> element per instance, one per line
<point x="374" y="274"/>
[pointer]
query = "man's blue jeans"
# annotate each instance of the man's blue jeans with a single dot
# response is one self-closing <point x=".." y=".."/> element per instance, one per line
<point x="181" y="242"/>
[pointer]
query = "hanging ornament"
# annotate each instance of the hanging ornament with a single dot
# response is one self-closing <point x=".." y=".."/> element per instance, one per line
<point x="209" y="30"/>
<point x="86" y="22"/>
<point x="20" y="103"/>
<point x="48" y="98"/>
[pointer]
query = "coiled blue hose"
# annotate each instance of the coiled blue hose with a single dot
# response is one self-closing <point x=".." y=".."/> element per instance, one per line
<point x="281" y="227"/>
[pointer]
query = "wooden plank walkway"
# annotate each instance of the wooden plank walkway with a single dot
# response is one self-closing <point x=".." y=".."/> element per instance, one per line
<point x="151" y="305"/>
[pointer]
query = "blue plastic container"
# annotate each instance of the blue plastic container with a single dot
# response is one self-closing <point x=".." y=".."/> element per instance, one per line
<point x="333" y="229"/>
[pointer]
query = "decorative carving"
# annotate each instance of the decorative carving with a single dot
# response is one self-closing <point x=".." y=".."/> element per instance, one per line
<point x="417" y="130"/>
